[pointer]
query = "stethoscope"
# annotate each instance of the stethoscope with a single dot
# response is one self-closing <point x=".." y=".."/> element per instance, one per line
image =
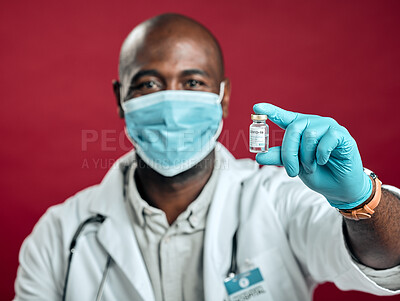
<point x="91" y="220"/>
<point x="99" y="219"/>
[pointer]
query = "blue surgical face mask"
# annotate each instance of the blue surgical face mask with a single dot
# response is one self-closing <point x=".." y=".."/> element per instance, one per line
<point x="173" y="130"/>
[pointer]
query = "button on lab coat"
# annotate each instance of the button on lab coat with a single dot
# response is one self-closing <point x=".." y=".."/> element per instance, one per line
<point x="288" y="231"/>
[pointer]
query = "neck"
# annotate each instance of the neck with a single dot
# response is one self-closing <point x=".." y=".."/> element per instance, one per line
<point x="173" y="194"/>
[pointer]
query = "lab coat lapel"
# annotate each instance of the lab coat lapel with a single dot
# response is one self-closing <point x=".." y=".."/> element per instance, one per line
<point x="222" y="222"/>
<point x="118" y="239"/>
<point x="116" y="234"/>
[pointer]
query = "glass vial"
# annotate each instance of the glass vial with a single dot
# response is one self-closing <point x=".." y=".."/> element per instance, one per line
<point x="259" y="134"/>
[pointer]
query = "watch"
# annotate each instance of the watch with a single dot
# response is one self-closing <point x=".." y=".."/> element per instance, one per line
<point x="366" y="209"/>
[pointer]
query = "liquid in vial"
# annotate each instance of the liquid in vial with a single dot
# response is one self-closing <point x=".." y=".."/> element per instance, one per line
<point x="259" y="134"/>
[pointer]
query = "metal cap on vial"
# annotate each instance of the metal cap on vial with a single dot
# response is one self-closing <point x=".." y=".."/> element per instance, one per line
<point x="258" y="117"/>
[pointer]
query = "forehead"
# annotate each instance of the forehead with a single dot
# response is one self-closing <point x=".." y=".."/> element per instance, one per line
<point x="170" y="54"/>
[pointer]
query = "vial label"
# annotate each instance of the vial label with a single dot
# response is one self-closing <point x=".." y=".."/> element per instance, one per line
<point x="257" y="137"/>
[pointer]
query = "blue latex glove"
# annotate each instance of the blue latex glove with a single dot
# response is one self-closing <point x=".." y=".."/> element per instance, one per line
<point x="321" y="152"/>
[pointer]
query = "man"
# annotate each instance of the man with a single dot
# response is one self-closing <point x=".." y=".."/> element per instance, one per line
<point x="178" y="218"/>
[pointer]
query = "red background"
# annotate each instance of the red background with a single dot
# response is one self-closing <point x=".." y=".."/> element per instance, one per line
<point x="334" y="58"/>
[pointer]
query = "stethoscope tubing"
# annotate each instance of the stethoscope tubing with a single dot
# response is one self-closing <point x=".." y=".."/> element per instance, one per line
<point x="93" y="219"/>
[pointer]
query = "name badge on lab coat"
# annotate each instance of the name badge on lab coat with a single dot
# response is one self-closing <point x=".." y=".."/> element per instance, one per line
<point x="247" y="286"/>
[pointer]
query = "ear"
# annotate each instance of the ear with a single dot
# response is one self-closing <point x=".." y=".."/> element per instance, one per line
<point x="116" y="88"/>
<point x="226" y="98"/>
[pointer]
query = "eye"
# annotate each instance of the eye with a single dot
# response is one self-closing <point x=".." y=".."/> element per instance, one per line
<point x="144" y="87"/>
<point x="147" y="85"/>
<point x="194" y="83"/>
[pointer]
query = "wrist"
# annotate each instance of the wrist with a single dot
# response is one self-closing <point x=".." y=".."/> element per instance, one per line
<point x="370" y="196"/>
<point x="367" y="194"/>
<point x="367" y="208"/>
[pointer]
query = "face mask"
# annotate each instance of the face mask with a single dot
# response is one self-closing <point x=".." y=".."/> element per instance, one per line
<point x="173" y="130"/>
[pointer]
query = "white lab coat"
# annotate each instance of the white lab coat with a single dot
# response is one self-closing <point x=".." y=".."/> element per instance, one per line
<point x="288" y="231"/>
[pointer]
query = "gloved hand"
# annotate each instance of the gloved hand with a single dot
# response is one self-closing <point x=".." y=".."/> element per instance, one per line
<point x="321" y="152"/>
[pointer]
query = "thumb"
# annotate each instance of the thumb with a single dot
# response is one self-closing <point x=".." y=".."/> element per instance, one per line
<point x="272" y="157"/>
<point x="279" y="116"/>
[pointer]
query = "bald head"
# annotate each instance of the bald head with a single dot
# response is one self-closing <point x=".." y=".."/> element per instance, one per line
<point x="163" y="32"/>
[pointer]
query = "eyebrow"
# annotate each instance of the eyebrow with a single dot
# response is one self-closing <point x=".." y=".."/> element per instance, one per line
<point x="141" y="73"/>
<point x="194" y="71"/>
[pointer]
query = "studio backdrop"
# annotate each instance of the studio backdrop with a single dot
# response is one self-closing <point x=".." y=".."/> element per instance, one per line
<point x="59" y="126"/>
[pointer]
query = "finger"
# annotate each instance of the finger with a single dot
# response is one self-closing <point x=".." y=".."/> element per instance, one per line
<point x="272" y="157"/>
<point x="279" y="116"/>
<point x="308" y="148"/>
<point x="327" y="144"/>
<point x="291" y="146"/>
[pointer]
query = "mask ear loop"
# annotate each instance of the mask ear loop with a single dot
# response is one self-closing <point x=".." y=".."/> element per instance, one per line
<point x="221" y="124"/>
<point x="221" y="91"/>
<point x="219" y="130"/>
